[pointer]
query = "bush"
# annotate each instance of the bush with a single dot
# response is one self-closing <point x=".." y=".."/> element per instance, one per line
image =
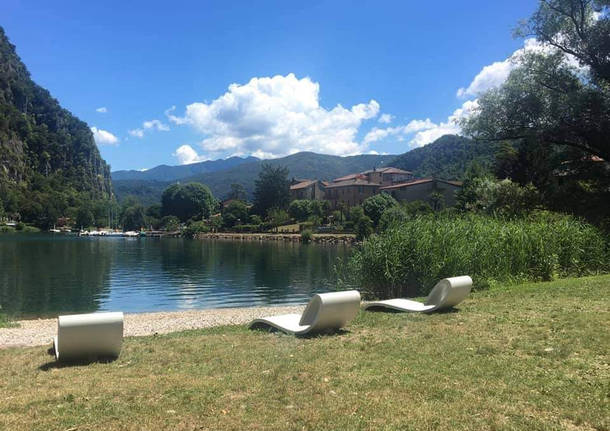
<point x="375" y="206"/>
<point x="170" y="223"/>
<point x="195" y="228"/>
<point x="408" y="259"/>
<point x="306" y="236"/>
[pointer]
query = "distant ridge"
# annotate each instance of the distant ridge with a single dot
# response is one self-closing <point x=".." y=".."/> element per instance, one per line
<point x="172" y="173"/>
<point x="447" y="158"/>
<point x="300" y="165"/>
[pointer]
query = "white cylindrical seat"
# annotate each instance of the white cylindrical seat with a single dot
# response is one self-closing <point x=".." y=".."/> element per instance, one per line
<point x="88" y="336"/>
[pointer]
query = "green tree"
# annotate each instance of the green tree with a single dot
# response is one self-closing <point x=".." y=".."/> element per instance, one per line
<point x="170" y="223"/>
<point x="237" y="192"/>
<point x="272" y="189"/>
<point x="187" y="201"/>
<point x="84" y="218"/>
<point x="133" y="218"/>
<point x="547" y="99"/>
<point x="300" y="209"/>
<point x="375" y="206"/>
<point x="236" y="212"/>
<point x="277" y="217"/>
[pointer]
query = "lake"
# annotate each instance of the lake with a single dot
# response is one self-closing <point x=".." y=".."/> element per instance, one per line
<point x="47" y="274"/>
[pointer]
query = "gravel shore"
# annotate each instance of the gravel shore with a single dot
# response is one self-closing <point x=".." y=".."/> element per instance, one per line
<point x="40" y="332"/>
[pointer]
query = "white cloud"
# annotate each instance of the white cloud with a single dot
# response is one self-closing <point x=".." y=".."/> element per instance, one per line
<point x="137" y="133"/>
<point x="489" y="77"/>
<point x="495" y="74"/>
<point x="155" y="125"/>
<point x="187" y="155"/>
<point x="102" y="110"/>
<point x="385" y="118"/>
<point x="104" y="137"/>
<point x="449" y="127"/>
<point x="275" y="116"/>
<point x="377" y="134"/>
<point x="149" y="125"/>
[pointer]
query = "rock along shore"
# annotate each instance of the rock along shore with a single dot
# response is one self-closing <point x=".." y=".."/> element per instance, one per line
<point x="288" y="237"/>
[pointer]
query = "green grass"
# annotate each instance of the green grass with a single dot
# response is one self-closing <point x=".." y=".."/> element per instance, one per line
<point x="528" y="357"/>
<point x="5" y="322"/>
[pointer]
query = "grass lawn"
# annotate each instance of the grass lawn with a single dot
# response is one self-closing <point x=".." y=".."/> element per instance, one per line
<point x="530" y="357"/>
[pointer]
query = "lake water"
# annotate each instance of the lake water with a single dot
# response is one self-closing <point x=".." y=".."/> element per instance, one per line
<point x="46" y="274"/>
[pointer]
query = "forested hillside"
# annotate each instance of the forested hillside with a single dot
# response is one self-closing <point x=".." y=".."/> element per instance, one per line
<point x="172" y="173"/>
<point x="300" y="165"/>
<point x="49" y="163"/>
<point x="448" y="157"/>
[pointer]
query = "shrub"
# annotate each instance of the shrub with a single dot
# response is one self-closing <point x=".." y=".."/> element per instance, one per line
<point x="195" y="228"/>
<point x="375" y="206"/>
<point x="306" y="236"/>
<point x="170" y="223"/>
<point x="409" y="258"/>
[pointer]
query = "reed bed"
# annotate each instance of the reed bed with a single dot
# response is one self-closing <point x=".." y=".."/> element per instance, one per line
<point x="408" y="258"/>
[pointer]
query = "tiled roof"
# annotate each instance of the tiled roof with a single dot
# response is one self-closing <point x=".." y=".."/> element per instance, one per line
<point x="420" y="181"/>
<point x="347" y="177"/>
<point x="353" y="182"/>
<point x="302" y="185"/>
<point x="389" y="170"/>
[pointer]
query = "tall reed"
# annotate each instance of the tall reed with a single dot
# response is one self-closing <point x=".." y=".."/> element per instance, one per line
<point x="408" y="258"/>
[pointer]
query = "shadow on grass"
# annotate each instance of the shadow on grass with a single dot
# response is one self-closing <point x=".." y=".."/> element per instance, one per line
<point x="394" y="311"/>
<point x="273" y="330"/>
<point x="75" y="363"/>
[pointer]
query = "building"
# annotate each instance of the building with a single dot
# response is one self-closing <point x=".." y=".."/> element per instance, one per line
<point x="350" y="192"/>
<point x="307" y="189"/>
<point x="384" y="176"/>
<point x="422" y="189"/>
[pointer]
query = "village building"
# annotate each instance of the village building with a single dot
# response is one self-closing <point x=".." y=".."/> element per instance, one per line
<point x="422" y="189"/>
<point x="307" y="189"/>
<point x="350" y="192"/>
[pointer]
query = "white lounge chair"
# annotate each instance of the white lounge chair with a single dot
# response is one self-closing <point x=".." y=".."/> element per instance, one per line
<point x="447" y="293"/>
<point x="87" y="336"/>
<point x="325" y="312"/>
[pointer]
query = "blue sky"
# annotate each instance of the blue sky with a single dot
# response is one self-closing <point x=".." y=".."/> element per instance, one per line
<point x="338" y="77"/>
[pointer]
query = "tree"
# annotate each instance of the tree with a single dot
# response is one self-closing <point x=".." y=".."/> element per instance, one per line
<point x="170" y="223"/>
<point x="235" y="213"/>
<point x="300" y="209"/>
<point x="579" y="28"/>
<point x="277" y="217"/>
<point x="272" y="189"/>
<point x="187" y="201"/>
<point x="549" y="99"/>
<point x="84" y="218"/>
<point x="237" y="192"/>
<point x="375" y="206"/>
<point x="133" y="218"/>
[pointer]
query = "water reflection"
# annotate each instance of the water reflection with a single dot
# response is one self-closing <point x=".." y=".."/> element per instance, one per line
<point x="45" y="275"/>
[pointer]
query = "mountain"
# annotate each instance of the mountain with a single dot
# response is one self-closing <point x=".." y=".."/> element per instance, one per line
<point x="173" y="173"/>
<point x="300" y="165"/>
<point x="48" y="158"/>
<point x="448" y="157"/>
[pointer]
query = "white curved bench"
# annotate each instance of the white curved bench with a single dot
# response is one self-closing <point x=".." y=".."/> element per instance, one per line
<point x="447" y="293"/>
<point x="87" y="336"/>
<point x="325" y="312"/>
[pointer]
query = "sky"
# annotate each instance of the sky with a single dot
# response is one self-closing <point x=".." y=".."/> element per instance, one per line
<point x="180" y="82"/>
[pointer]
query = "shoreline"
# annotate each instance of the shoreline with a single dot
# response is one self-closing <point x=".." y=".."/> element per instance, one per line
<point x="40" y="332"/>
<point x="319" y="238"/>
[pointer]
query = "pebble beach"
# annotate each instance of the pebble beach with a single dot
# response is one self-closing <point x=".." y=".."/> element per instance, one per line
<point x="39" y="332"/>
